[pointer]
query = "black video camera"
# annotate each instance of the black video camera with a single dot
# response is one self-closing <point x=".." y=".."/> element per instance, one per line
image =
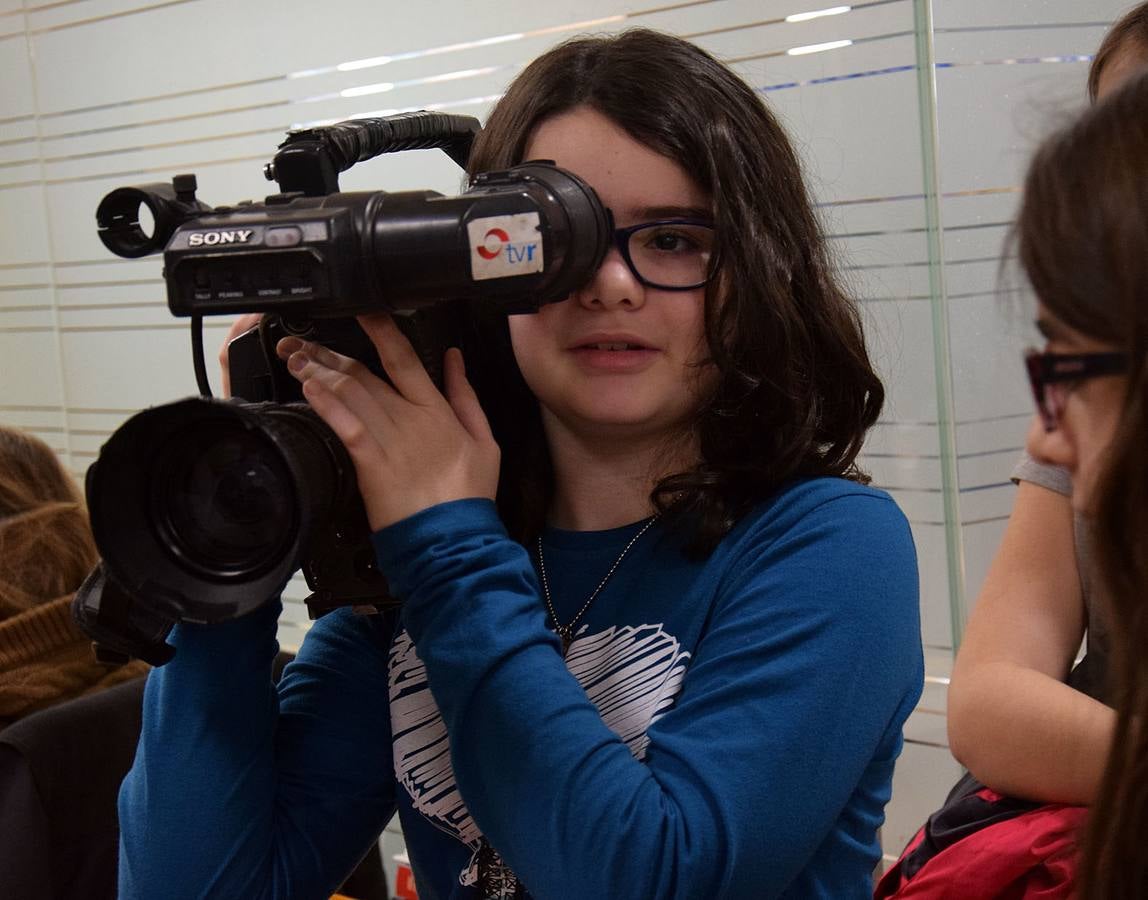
<point x="203" y="509"/>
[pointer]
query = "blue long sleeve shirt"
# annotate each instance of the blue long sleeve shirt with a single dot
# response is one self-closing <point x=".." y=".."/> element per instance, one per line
<point x="724" y="727"/>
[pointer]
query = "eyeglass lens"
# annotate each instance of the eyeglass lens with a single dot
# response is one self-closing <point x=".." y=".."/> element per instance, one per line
<point x="672" y="254"/>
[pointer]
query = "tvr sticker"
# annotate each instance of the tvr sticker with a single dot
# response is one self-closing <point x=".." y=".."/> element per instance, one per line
<point x="505" y="246"/>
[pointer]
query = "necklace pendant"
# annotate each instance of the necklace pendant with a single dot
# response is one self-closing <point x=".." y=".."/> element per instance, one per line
<point x="566" y="632"/>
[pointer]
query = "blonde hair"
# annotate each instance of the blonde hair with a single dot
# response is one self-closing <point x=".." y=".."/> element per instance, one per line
<point x="46" y="545"/>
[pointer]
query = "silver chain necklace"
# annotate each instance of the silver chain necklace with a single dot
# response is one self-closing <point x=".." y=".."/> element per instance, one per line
<point x="566" y="632"/>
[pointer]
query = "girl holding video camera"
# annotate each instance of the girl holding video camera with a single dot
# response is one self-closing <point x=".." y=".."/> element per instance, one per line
<point x="658" y="639"/>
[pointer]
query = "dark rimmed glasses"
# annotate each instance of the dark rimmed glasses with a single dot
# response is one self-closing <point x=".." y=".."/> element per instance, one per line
<point x="669" y="254"/>
<point x="1054" y="375"/>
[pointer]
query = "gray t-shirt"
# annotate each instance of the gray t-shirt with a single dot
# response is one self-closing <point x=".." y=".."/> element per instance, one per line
<point x="1089" y="675"/>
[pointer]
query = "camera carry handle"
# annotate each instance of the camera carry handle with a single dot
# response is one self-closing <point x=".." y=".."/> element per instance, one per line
<point x="309" y="161"/>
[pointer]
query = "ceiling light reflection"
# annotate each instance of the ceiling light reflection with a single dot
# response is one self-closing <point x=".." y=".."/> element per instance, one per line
<point x="818" y="13"/>
<point x="818" y="48"/>
<point x="364" y="90"/>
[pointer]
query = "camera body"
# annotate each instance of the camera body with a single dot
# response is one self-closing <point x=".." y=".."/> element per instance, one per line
<point x="203" y="509"/>
<point x="506" y="241"/>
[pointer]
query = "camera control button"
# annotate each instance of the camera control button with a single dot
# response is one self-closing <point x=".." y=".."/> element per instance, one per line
<point x="283" y="236"/>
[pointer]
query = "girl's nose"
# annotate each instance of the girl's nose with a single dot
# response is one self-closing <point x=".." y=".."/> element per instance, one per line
<point x="1052" y="447"/>
<point x="613" y="285"/>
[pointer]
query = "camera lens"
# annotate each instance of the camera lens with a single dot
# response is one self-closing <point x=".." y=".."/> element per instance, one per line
<point x="202" y="509"/>
<point x="222" y="496"/>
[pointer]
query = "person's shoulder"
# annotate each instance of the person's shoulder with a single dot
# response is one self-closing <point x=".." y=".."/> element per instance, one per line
<point x="830" y="523"/>
<point x="814" y="491"/>
<point x="827" y="500"/>
<point x="839" y="546"/>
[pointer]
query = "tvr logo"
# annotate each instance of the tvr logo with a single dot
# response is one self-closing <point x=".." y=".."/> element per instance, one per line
<point x="505" y="246"/>
<point x="212" y="238"/>
<point x="496" y="240"/>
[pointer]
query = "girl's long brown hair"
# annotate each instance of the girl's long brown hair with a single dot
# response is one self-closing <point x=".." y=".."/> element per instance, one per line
<point x="46" y="546"/>
<point x="1082" y="238"/>
<point x="796" y="388"/>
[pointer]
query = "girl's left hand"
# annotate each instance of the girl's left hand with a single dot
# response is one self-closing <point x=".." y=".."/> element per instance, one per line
<point x="412" y="446"/>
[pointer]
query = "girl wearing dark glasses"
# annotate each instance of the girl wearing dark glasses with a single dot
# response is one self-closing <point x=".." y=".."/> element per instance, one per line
<point x="1033" y="729"/>
<point x="1022" y="718"/>
<point x="1083" y="242"/>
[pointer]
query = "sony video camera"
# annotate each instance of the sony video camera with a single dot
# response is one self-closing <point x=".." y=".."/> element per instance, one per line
<point x="202" y="509"/>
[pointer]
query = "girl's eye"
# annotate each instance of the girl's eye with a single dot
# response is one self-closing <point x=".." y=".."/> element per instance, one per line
<point x="669" y="241"/>
<point x="672" y="241"/>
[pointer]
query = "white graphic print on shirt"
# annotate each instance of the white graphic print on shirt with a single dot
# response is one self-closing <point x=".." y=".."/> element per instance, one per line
<point x="632" y="674"/>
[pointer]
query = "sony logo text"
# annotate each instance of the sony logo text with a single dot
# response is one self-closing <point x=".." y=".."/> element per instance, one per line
<point x="211" y="238"/>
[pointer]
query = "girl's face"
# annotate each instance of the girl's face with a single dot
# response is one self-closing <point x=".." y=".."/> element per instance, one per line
<point x="1087" y="414"/>
<point x="616" y="359"/>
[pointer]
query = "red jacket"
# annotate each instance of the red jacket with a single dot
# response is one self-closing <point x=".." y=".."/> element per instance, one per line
<point x="983" y="845"/>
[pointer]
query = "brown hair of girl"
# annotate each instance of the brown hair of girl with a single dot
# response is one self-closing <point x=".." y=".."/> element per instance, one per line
<point x="796" y="389"/>
<point x="46" y="545"/>
<point x="1130" y="31"/>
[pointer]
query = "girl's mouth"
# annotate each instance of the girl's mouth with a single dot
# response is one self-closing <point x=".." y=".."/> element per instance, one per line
<point x="613" y="356"/>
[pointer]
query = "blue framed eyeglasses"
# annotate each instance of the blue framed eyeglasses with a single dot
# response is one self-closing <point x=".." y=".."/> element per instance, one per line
<point x="1053" y="375"/>
<point x="669" y="254"/>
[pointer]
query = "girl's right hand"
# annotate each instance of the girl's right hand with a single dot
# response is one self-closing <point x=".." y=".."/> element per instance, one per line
<point x="413" y="446"/>
<point x="240" y="325"/>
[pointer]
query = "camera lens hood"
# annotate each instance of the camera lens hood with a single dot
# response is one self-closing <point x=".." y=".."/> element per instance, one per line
<point x="202" y="508"/>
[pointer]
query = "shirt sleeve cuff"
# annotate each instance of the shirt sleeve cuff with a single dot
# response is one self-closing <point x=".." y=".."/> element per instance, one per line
<point x="434" y="536"/>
